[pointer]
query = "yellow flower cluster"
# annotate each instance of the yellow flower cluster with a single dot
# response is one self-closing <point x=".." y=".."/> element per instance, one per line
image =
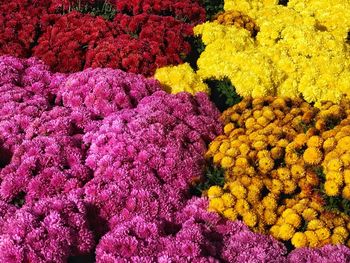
<point x="238" y="19"/>
<point x="180" y="78"/>
<point x="271" y="149"/>
<point x="294" y="53"/>
<point x="336" y="164"/>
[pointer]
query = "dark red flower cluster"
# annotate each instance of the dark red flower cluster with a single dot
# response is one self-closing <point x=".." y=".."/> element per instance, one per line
<point x="143" y="36"/>
<point x="186" y="10"/>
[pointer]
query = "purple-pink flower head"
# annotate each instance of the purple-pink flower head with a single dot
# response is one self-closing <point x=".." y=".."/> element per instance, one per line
<point x="49" y="231"/>
<point x="43" y="167"/>
<point x="105" y="91"/>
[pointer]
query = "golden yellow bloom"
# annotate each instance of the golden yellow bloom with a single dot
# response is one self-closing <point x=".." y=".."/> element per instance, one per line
<point x="266" y="164"/>
<point x="315" y="224"/>
<point x="286" y="232"/>
<point x="237" y="189"/>
<point x="244" y="149"/>
<point x="310" y="214"/>
<point x="335" y="176"/>
<point x="337" y="239"/>
<point x="228" y="199"/>
<point x="299" y="239"/>
<point x="226" y="162"/>
<point x="283" y="173"/>
<point x="294" y="220"/>
<point x="331" y="188"/>
<point x="215" y="191"/>
<point x="274" y="230"/>
<point x="250" y="219"/>
<point x="346" y="174"/>
<point x="313" y="156"/>
<point x="343" y="144"/>
<point x="342" y="231"/>
<point x="329" y="144"/>
<point x="217" y="157"/>
<point x="228" y="128"/>
<point x="315" y="141"/>
<point x="335" y="165"/>
<point x="291" y="158"/>
<point x="300" y="139"/>
<point x="242" y="206"/>
<point x="224" y="146"/>
<point x="323" y="233"/>
<point x="277" y="153"/>
<point x="242" y="162"/>
<point x="270" y="217"/>
<point x="216" y="205"/>
<point x="276" y="187"/>
<point x="312" y="238"/>
<point x="269" y="202"/>
<point x="230" y="214"/>
<point x="346" y="192"/>
<point x="345" y="158"/>
<point x="297" y="171"/>
<point x="259" y="145"/>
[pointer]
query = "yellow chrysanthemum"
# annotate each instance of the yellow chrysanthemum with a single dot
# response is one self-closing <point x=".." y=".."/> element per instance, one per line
<point x="180" y="78"/>
<point x="230" y="214"/>
<point x="342" y="231"/>
<point x="216" y="204"/>
<point x="329" y="144"/>
<point x="242" y="206"/>
<point x="337" y="239"/>
<point x="214" y="191"/>
<point x="226" y="162"/>
<point x="335" y="176"/>
<point x="335" y="165"/>
<point x="286" y="232"/>
<point x="312" y="238"/>
<point x="309" y="214"/>
<point x="294" y="220"/>
<point x="313" y="156"/>
<point x="297" y="171"/>
<point x="270" y="217"/>
<point x="237" y="189"/>
<point x="315" y="224"/>
<point x="250" y="219"/>
<point x="323" y="233"/>
<point x="315" y="141"/>
<point x="331" y="188"/>
<point x="266" y="164"/>
<point x="269" y="202"/>
<point x="299" y="239"/>
<point x="346" y="192"/>
<point x="228" y="199"/>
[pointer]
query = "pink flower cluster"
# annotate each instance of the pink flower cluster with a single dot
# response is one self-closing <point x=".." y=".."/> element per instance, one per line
<point x="100" y="162"/>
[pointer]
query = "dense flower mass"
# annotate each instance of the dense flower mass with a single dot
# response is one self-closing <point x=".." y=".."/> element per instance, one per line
<point x="143" y="35"/>
<point x="49" y="231"/>
<point x="284" y="162"/>
<point x="297" y="49"/>
<point x="99" y="164"/>
<point x="196" y="236"/>
<point x="180" y="78"/>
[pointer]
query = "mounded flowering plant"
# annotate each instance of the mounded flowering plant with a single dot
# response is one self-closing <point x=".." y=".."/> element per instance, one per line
<point x="73" y="35"/>
<point x="286" y="169"/>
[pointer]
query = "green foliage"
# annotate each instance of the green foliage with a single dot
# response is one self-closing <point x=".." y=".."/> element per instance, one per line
<point x="197" y="47"/>
<point x="212" y="7"/>
<point x="104" y="9"/>
<point x="223" y="93"/>
<point x="213" y="176"/>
